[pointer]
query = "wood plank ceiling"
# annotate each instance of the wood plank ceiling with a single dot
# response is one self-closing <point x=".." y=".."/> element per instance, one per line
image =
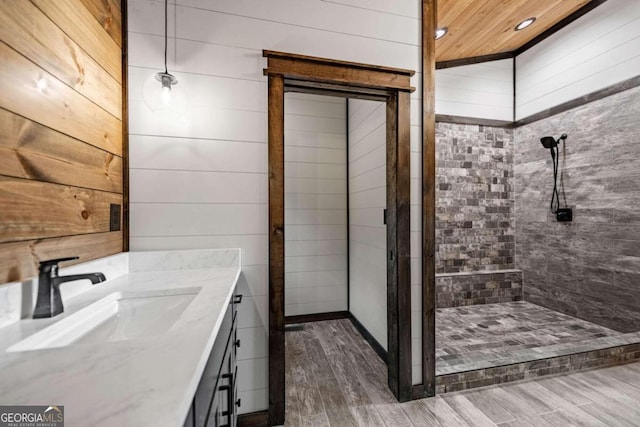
<point x="485" y="27"/>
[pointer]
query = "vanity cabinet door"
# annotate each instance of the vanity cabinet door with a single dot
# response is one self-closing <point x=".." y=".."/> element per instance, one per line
<point x="202" y="402"/>
<point x="215" y="401"/>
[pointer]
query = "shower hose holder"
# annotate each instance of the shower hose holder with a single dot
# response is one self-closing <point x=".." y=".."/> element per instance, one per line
<point x="564" y="215"/>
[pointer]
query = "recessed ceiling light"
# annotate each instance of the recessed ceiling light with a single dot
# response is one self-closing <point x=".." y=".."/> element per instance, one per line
<point x="41" y="83"/>
<point x="440" y="32"/>
<point x="524" y="24"/>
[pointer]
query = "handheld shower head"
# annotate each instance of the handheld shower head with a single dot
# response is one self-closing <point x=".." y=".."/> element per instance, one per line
<point x="549" y="141"/>
<point x="552" y="144"/>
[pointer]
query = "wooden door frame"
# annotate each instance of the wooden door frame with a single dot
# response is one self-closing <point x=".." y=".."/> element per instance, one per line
<point x="298" y="73"/>
<point x="429" y="10"/>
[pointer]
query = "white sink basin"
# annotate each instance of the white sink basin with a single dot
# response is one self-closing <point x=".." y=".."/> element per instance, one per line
<point x="118" y="316"/>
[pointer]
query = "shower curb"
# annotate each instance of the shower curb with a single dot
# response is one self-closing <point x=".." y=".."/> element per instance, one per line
<point x="538" y="368"/>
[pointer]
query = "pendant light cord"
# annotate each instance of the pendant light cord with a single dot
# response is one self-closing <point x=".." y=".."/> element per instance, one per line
<point x="166" y="8"/>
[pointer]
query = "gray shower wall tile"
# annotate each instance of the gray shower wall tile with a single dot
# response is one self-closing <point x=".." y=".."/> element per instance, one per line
<point x="475" y="224"/>
<point x="589" y="268"/>
<point x="463" y="289"/>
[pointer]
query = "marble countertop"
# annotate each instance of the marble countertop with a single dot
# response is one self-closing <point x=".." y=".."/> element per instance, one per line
<point x="142" y="381"/>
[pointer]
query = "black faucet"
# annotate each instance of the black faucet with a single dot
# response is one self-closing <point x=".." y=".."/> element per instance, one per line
<point x="49" y="302"/>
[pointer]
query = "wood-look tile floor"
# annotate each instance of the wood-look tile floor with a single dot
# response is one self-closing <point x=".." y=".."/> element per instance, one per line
<point x="334" y="378"/>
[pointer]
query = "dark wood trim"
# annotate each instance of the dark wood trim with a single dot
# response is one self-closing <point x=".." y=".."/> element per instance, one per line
<point x="316" y="317"/>
<point x="418" y="392"/>
<point x="403" y="247"/>
<point x="577" y="102"/>
<point x="429" y="25"/>
<point x="254" y="419"/>
<point x="461" y="120"/>
<point x="375" y="345"/>
<point x="276" y="250"/>
<point x="398" y="246"/>
<point x="291" y="72"/>
<point x="344" y="64"/>
<point x="474" y="60"/>
<point x="348" y="213"/>
<point x="337" y="74"/>
<point x="514" y="85"/>
<point x="559" y="25"/>
<point x="393" y="359"/>
<point x="125" y="129"/>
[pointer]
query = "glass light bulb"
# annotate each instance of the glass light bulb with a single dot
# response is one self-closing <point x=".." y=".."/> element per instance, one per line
<point x="166" y="95"/>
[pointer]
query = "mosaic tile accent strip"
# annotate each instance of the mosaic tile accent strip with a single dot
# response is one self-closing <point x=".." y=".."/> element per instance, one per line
<point x="462" y="289"/>
<point x="474" y="198"/>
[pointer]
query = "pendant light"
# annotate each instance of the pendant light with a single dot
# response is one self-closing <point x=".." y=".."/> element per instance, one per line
<point x="158" y="92"/>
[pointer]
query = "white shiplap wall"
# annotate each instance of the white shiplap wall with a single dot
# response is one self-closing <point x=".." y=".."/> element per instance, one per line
<point x="201" y="180"/>
<point x="315" y="170"/>
<point x="599" y="49"/>
<point x="482" y="90"/>
<point x="367" y="232"/>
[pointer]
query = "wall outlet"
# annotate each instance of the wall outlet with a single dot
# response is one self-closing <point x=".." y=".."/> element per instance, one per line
<point x="114" y="217"/>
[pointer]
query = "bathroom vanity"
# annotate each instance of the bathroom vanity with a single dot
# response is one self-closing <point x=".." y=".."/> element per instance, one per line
<point x="216" y="400"/>
<point x="153" y="345"/>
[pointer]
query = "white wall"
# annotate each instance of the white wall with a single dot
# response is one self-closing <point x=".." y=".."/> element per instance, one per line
<point x="482" y="90"/>
<point x="367" y="232"/>
<point x="315" y="170"/>
<point x="201" y="180"/>
<point x="599" y="49"/>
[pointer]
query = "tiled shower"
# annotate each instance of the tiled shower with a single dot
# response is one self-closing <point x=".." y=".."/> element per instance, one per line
<point x="520" y="294"/>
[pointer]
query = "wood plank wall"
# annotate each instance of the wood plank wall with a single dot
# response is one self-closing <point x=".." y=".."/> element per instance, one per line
<point x="61" y="131"/>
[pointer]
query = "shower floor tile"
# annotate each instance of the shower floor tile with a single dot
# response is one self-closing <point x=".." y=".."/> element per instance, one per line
<point x="471" y="336"/>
